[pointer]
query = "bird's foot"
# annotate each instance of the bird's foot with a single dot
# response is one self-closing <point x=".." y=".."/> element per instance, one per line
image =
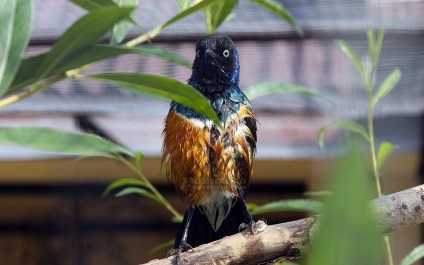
<point x="252" y="227"/>
<point x="177" y="251"/>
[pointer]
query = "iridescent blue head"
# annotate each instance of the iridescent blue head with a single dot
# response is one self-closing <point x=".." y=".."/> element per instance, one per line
<point x="216" y="64"/>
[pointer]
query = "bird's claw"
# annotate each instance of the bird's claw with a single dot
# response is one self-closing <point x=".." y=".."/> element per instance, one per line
<point x="177" y="251"/>
<point x="252" y="227"/>
<point x="249" y="226"/>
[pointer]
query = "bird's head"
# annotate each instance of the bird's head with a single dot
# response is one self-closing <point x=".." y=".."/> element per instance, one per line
<point x="216" y="60"/>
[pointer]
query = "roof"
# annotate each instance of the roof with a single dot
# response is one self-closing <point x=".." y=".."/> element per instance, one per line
<point x="269" y="51"/>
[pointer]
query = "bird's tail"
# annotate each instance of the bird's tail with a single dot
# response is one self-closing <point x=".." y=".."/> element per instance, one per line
<point x="201" y="232"/>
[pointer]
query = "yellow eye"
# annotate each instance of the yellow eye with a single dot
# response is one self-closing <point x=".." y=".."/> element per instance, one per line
<point x="226" y="53"/>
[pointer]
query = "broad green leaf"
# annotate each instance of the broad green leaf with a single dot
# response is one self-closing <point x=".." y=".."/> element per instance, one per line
<point x="139" y="191"/>
<point x="270" y="88"/>
<point x="353" y="57"/>
<point x="120" y="29"/>
<point x="278" y="9"/>
<point x="167" y="244"/>
<point x="345" y="124"/>
<point x="92" y="5"/>
<point x="218" y="13"/>
<point x="290" y="205"/>
<point x="27" y="73"/>
<point x="413" y="256"/>
<point x="82" y="34"/>
<point x="58" y="141"/>
<point x="139" y="158"/>
<point x="15" y="29"/>
<point x="163" y="54"/>
<point x="384" y="151"/>
<point x="122" y="183"/>
<point x="348" y="233"/>
<point x="184" y="4"/>
<point x="388" y="84"/>
<point x="161" y="87"/>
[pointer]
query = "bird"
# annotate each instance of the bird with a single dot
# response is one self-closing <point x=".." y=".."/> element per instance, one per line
<point x="210" y="165"/>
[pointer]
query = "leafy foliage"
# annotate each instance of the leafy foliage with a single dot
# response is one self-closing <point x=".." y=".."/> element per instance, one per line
<point x="278" y="9"/>
<point x="14" y="36"/>
<point x="415" y="255"/>
<point x="59" y="141"/>
<point x="82" y="34"/>
<point x="386" y="149"/>
<point x="269" y="88"/>
<point x="288" y="205"/>
<point x="347" y="125"/>
<point x="348" y="232"/>
<point x="161" y="87"/>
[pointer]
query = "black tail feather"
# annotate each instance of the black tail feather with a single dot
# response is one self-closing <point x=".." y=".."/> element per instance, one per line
<point x="201" y="232"/>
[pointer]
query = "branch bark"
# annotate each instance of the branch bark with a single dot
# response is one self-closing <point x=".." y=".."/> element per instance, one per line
<point x="290" y="240"/>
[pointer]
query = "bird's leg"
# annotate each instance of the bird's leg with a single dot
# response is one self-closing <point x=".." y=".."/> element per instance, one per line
<point x="250" y="223"/>
<point x="183" y="246"/>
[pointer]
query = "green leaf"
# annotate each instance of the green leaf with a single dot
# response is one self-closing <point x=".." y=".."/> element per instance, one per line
<point x="373" y="46"/>
<point x="27" y="73"/>
<point x="278" y="9"/>
<point x="348" y="233"/>
<point x="192" y="9"/>
<point x="354" y="58"/>
<point x="92" y="5"/>
<point x="413" y="256"/>
<point x="290" y="205"/>
<point x="371" y="42"/>
<point x="269" y="88"/>
<point x="320" y="193"/>
<point x="58" y="141"/>
<point x="218" y="13"/>
<point x="139" y="158"/>
<point x="15" y="21"/>
<point x="163" y="54"/>
<point x="345" y="124"/>
<point x="154" y="32"/>
<point x="82" y="34"/>
<point x="384" y="151"/>
<point x="184" y="4"/>
<point x="139" y="191"/>
<point x="124" y="182"/>
<point x="167" y="244"/>
<point x="120" y="29"/>
<point x="161" y="87"/>
<point x="388" y="84"/>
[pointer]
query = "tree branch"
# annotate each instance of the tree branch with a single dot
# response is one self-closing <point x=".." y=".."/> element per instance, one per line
<point x="290" y="240"/>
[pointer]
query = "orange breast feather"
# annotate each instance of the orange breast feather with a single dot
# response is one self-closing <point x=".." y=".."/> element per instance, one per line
<point x="186" y="156"/>
<point x="200" y="158"/>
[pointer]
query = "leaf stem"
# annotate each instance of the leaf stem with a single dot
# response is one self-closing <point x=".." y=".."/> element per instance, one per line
<point x="32" y="90"/>
<point x="152" y="188"/>
<point x="369" y="83"/>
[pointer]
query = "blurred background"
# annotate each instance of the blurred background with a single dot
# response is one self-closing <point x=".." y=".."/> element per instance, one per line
<point x="51" y="209"/>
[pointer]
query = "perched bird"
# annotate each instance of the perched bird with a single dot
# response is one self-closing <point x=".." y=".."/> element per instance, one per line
<point x="211" y="166"/>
